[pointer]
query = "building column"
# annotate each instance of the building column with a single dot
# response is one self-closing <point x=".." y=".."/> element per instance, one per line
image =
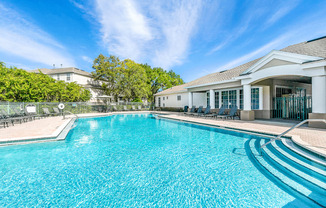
<point x="247" y="114"/>
<point x="190" y="99"/>
<point x="212" y="99"/>
<point x="318" y="101"/>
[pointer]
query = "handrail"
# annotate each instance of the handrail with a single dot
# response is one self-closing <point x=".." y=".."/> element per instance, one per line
<point x="70" y="113"/>
<point x="290" y="129"/>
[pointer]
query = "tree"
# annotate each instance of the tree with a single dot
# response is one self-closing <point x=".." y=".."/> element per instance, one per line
<point x="159" y="79"/>
<point x="133" y="81"/>
<point x="18" y="85"/>
<point x="108" y="71"/>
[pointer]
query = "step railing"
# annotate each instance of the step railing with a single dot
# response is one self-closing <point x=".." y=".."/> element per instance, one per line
<point x="64" y="115"/>
<point x="290" y="129"/>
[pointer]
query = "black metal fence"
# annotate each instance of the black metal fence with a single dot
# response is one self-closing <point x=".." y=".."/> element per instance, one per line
<point x="295" y="108"/>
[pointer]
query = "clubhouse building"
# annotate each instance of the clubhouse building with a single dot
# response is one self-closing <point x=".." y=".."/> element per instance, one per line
<point x="286" y="84"/>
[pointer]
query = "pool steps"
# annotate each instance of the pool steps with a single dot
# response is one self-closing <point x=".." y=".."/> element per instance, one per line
<point x="292" y="172"/>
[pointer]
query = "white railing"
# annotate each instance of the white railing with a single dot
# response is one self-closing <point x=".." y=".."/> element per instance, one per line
<point x="290" y="129"/>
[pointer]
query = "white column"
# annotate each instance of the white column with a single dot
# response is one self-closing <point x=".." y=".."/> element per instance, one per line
<point x="190" y="98"/>
<point x="247" y="97"/>
<point x="238" y="98"/>
<point x="212" y="99"/>
<point x="319" y="94"/>
<point x="220" y="98"/>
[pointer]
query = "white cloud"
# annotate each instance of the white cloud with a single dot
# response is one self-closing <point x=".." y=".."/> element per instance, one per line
<point x="260" y="51"/>
<point x="87" y="59"/>
<point x="22" y="38"/>
<point x="157" y="31"/>
<point x="281" y="12"/>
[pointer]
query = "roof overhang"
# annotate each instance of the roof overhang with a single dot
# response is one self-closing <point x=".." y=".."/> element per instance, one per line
<point x="281" y="55"/>
<point x="212" y="83"/>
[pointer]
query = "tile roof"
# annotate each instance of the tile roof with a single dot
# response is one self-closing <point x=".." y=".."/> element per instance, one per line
<point x="315" y="47"/>
<point x="62" y="70"/>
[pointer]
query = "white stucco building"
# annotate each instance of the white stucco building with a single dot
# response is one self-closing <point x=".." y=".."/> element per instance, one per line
<point x="72" y="74"/>
<point x="288" y="84"/>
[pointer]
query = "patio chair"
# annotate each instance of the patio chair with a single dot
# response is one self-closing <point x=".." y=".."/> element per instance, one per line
<point x="220" y="112"/>
<point x="115" y="108"/>
<point x="20" y="114"/>
<point x="133" y="108"/>
<point x="200" y="110"/>
<point x="56" y="111"/>
<point x="46" y="112"/>
<point x="5" y="121"/>
<point x="125" y="108"/>
<point x="206" y="112"/>
<point x="10" y="118"/>
<point x="191" y="111"/>
<point x="232" y="114"/>
<point x="139" y="107"/>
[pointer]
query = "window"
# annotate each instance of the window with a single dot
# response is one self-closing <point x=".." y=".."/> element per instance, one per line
<point x="217" y="99"/>
<point x="232" y="98"/>
<point x="207" y="99"/>
<point x="179" y="97"/>
<point x="225" y="98"/>
<point x="167" y="97"/>
<point x="255" y="98"/>
<point x="163" y="98"/>
<point x="159" y="102"/>
<point x="68" y="77"/>
<point x="163" y="104"/>
<point x="229" y="98"/>
<point x="241" y="99"/>
<point x="58" y="76"/>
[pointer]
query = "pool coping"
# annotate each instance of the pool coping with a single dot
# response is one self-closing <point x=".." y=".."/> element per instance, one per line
<point x="59" y="134"/>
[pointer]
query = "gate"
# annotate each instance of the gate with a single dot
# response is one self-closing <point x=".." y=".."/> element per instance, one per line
<point x="295" y="108"/>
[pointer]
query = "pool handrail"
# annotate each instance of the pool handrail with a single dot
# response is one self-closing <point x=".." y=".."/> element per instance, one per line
<point x="290" y="129"/>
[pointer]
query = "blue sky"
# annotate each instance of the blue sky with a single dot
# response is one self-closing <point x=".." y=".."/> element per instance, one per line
<point x="192" y="37"/>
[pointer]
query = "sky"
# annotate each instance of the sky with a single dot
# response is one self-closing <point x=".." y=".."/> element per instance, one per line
<point x="192" y="37"/>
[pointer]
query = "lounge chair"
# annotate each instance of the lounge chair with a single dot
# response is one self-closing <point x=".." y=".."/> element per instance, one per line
<point x="5" y="121"/>
<point x="139" y="107"/>
<point x="20" y="114"/>
<point x="232" y="114"/>
<point x="115" y="108"/>
<point x="206" y="112"/>
<point x="56" y="111"/>
<point x="9" y="118"/>
<point x="125" y="108"/>
<point x="133" y="108"/>
<point x="192" y="110"/>
<point x="199" y="111"/>
<point x="46" y="112"/>
<point x="220" y="112"/>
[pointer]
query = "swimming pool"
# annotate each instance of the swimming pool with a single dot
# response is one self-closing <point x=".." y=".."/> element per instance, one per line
<point x="138" y="161"/>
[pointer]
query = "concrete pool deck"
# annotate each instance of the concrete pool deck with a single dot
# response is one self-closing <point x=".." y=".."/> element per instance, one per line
<point x="311" y="138"/>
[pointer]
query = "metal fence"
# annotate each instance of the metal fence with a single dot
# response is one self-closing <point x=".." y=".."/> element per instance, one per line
<point x="296" y="108"/>
<point x="74" y="107"/>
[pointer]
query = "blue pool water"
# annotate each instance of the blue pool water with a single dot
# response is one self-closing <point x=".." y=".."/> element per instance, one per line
<point x="137" y="161"/>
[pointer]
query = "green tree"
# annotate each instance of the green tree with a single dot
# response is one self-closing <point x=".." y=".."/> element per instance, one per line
<point x="108" y="72"/>
<point x="133" y="81"/>
<point x="18" y="85"/>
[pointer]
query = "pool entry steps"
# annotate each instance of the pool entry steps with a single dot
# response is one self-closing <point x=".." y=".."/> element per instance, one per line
<point x="295" y="173"/>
